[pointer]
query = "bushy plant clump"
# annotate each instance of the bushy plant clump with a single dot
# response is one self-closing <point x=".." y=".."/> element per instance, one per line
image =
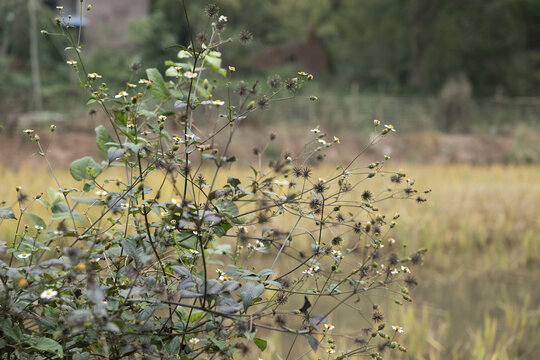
<point x="120" y="270"/>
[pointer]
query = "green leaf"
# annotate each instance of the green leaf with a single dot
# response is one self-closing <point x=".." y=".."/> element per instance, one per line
<point x="313" y="343"/>
<point x="261" y="344"/>
<point x="132" y="252"/>
<point x="159" y="89"/>
<point x="7" y="213"/>
<point x="84" y="168"/>
<point x="250" y="292"/>
<point x="49" y="345"/>
<point x="88" y="200"/>
<point x="227" y="207"/>
<point x="36" y="220"/>
<point x="102" y="138"/>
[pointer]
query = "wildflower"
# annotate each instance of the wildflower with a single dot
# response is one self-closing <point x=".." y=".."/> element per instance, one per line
<point x="310" y="77"/>
<point x="52" y="127"/>
<point x="143" y="81"/>
<point x="101" y="193"/>
<point x="190" y="75"/>
<point x="18" y="188"/>
<point x="218" y="102"/>
<point x="39" y="228"/>
<point x="44" y="32"/>
<point x="71" y="62"/>
<point x="313" y="98"/>
<point x="315" y="268"/>
<point x="48" y="294"/>
<point x="146" y="132"/>
<point x="331" y="349"/>
<point x="23" y="255"/>
<point x="222" y="18"/>
<point x="164" y="212"/>
<point x="243" y="229"/>
<point x="336" y="139"/>
<point x="307" y="272"/>
<point x="302" y="73"/>
<point x="194" y="341"/>
<point x="22" y="282"/>
<point x="321" y="141"/>
<point x="390" y="127"/>
<point x="376" y="122"/>
<point x="329" y="327"/>
<point x="232" y="69"/>
<point x="131" y="85"/>
<point x="131" y="126"/>
<point x="177" y="139"/>
<point x="281" y="182"/>
<point x="28" y="131"/>
<point x="405" y="269"/>
<point x="59" y="7"/>
<point x="193" y="252"/>
<point x="394" y="271"/>
<point x="94" y="76"/>
<point x="162" y="117"/>
<point x="89" y="7"/>
<point x="315" y="130"/>
<point x="259" y="244"/>
<point x="121" y="94"/>
<point x="391" y="241"/>
<point x="183" y="54"/>
<point x="80" y="267"/>
<point x="337" y="254"/>
<point x="397" y="328"/>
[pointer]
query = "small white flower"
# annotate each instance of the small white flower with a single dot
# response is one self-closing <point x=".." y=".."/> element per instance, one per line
<point x="28" y="131"/>
<point x="232" y="69"/>
<point x="38" y="228"/>
<point x="259" y="244"/>
<point x="336" y="139"/>
<point x="307" y="272"/>
<point x="315" y="268"/>
<point x="330" y="350"/>
<point x="394" y="271"/>
<point x="321" y="141"/>
<point x="315" y="130"/>
<point x="376" y="122"/>
<point x="131" y="85"/>
<point x="194" y="341"/>
<point x="94" y="76"/>
<point x="173" y="200"/>
<point x="71" y="62"/>
<point x="48" y="294"/>
<point x="143" y="81"/>
<point x="183" y="54"/>
<point x="302" y="73"/>
<point x="390" y="127"/>
<point x="397" y="328"/>
<point x="281" y="182"/>
<point x="121" y="94"/>
<point x="190" y="75"/>
<point x="243" y="229"/>
<point x="218" y="102"/>
<point x="329" y="327"/>
<point x="162" y="117"/>
<point x="406" y="269"/>
<point x="101" y="193"/>
<point x="222" y="18"/>
<point x="193" y="252"/>
<point x="23" y="255"/>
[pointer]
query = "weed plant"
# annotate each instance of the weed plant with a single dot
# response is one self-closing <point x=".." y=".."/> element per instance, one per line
<point x="218" y="268"/>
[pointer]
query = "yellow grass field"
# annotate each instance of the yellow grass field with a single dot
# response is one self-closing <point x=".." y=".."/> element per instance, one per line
<point x="478" y="294"/>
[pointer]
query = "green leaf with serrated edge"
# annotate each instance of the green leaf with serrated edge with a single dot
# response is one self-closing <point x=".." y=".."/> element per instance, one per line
<point x="7" y="213"/>
<point x="103" y="138"/>
<point x="250" y="292"/>
<point x="261" y="344"/>
<point x="36" y="220"/>
<point x="84" y="168"/>
<point x="159" y="88"/>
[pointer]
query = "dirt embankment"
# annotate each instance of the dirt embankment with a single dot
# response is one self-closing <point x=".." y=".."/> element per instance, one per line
<point x="424" y="147"/>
